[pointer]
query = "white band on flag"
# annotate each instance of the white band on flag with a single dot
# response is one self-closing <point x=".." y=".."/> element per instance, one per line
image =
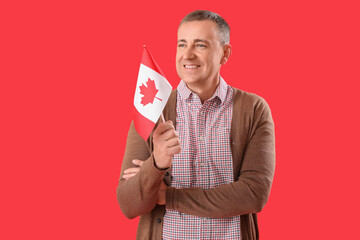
<point x="151" y="111"/>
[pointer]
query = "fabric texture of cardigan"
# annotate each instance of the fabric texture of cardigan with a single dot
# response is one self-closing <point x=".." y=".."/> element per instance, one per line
<point x="252" y="141"/>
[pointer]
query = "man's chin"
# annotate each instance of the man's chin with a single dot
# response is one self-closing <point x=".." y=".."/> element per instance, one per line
<point x="190" y="79"/>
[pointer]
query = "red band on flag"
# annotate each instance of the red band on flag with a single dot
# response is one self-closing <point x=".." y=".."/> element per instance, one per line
<point x="149" y="61"/>
<point x="142" y="125"/>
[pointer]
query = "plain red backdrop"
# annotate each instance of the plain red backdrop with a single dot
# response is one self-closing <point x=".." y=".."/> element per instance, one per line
<point x="68" y="72"/>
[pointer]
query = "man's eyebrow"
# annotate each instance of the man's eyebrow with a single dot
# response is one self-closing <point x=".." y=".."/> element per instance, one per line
<point x="201" y="40"/>
<point x="196" y="40"/>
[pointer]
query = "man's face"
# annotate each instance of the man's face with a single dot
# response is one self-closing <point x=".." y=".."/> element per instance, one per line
<point x="199" y="53"/>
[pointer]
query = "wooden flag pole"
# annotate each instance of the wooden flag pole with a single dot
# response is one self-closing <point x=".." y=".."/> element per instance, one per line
<point x="162" y="117"/>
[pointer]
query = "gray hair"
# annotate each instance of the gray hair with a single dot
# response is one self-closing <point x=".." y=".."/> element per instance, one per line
<point x="202" y="15"/>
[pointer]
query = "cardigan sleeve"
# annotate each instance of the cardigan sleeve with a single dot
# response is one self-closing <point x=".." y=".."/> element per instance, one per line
<point x="138" y="195"/>
<point x="251" y="190"/>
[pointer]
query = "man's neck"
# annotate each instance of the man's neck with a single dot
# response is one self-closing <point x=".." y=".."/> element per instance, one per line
<point x="205" y="92"/>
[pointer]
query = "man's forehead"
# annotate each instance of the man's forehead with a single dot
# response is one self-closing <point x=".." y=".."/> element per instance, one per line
<point x="194" y="40"/>
<point x="197" y="30"/>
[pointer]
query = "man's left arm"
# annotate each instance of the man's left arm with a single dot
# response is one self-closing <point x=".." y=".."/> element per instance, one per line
<point x="246" y="195"/>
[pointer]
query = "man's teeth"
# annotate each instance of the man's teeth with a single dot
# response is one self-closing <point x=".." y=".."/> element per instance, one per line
<point x="191" y="66"/>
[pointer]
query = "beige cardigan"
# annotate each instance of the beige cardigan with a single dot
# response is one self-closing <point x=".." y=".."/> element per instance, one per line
<point x="253" y="150"/>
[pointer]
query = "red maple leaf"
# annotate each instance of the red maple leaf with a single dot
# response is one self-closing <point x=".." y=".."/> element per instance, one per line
<point x="149" y="92"/>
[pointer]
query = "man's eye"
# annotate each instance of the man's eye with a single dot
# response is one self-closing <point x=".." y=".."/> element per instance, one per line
<point x="181" y="45"/>
<point x="201" y="45"/>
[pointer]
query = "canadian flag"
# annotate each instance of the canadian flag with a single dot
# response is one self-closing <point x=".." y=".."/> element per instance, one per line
<point x="151" y="95"/>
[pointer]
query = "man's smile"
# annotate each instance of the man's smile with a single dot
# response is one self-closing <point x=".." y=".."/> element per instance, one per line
<point x="191" y="66"/>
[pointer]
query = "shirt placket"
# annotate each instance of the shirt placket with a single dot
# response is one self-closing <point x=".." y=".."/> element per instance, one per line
<point x="201" y="148"/>
<point x="202" y="163"/>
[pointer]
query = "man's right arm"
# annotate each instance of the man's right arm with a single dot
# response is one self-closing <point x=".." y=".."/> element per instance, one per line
<point x="138" y="195"/>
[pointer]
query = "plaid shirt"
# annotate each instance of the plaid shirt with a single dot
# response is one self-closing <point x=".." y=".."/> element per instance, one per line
<point x="205" y="161"/>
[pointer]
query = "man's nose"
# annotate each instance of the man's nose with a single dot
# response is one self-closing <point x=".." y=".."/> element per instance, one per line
<point x="189" y="53"/>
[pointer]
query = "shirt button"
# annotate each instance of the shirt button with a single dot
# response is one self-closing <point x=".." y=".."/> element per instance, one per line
<point x="159" y="220"/>
<point x="201" y="138"/>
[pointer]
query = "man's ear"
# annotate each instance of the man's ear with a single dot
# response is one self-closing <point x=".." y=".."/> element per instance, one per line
<point x="227" y="53"/>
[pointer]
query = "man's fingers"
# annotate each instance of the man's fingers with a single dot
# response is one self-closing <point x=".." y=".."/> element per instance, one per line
<point x="174" y="150"/>
<point x="162" y="194"/>
<point x="173" y="142"/>
<point x="127" y="176"/>
<point x="137" y="162"/>
<point x="169" y="134"/>
<point x="163" y="127"/>
<point x="132" y="170"/>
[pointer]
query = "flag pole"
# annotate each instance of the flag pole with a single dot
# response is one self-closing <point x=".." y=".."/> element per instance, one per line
<point x="162" y="117"/>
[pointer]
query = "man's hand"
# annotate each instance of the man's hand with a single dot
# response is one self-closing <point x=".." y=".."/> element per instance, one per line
<point x="162" y="194"/>
<point x="166" y="144"/>
<point x="130" y="172"/>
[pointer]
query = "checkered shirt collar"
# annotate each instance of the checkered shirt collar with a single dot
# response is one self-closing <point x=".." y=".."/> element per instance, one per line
<point x="220" y="92"/>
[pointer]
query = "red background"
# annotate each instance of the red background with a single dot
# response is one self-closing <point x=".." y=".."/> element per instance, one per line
<point x="68" y="72"/>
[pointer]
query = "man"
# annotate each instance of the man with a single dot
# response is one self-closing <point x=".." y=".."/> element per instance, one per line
<point x="208" y="178"/>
